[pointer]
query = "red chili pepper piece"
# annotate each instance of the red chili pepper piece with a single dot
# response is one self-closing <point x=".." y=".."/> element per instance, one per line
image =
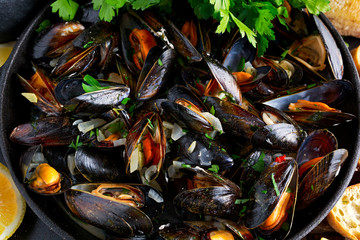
<point x="280" y="159"/>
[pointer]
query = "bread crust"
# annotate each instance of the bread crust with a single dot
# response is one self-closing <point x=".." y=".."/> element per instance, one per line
<point x="348" y="205"/>
<point x="345" y="16"/>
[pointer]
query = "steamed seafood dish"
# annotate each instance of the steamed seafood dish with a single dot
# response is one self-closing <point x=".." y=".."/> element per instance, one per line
<point x="153" y="126"/>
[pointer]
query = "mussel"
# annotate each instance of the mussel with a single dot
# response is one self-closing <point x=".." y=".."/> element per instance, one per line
<point x="125" y="210"/>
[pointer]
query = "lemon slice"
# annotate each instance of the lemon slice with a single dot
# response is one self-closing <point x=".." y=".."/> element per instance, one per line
<point x="5" y="50"/>
<point x="12" y="205"/>
<point x="355" y="53"/>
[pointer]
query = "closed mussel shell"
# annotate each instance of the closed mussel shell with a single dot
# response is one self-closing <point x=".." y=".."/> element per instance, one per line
<point x="100" y="165"/>
<point x="97" y="102"/>
<point x="155" y="72"/>
<point x="278" y="137"/>
<point x="212" y="195"/>
<point x="234" y="119"/>
<point x="49" y="131"/>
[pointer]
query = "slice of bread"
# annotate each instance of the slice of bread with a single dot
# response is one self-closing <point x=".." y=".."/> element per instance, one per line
<point x="345" y="16"/>
<point x="345" y="216"/>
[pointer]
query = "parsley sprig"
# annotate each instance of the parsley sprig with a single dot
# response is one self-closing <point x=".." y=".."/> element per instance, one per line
<point x="92" y="84"/>
<point x="252" y="18"/>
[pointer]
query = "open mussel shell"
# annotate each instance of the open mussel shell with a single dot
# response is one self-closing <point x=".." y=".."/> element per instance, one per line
<point x="234" y="119"/>
<point x="145" y="145"/>
<point x="155" y="72"/>
<point x="42" y="180"/>
<point x="272" y="115"/>
<point x="271" y="208"/>
<point x="96" y="204"/>
<point x="212" y="195"/>
<point x="317" y="144"/>
<point x="205" y="153"/>
<point x="333" y="52"/>
<point x="100" y="165"/>
<point x="42" y="87"/>
<point x="278" y="137"/>
<point x="181" y="93"/>
<point x="320" y="119"/>
<point x="94" y="45"/>
<point x="196" y="79"/>
<point x="56" y="40"/>
<point x="186" y="117"/>
<point x="224" y="78"/>
<point x="97" y="102"/>
<point x="48" y="131"/>
<point x="182" y="43"/>
<point x="319" y="178"/>
<point x="332" y="93"/>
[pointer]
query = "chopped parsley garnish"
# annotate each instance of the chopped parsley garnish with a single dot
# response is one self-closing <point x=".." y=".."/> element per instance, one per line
<point x="212" y="110"/>
<point x="208" y="136"/>
<point x="150" y="124"/>
<point x="259" y="166"/>
<point x="214" y="168"/>
<point x="275" y="185"/>
<point x="125" y="101"/>
<point x="241" y="201"/>
<point x="88" y="44"/>
<point x="160" y="62"/>
<point x="77" y="143"/>
<point x="44" y="24"/>
<point x="185" y="165"/>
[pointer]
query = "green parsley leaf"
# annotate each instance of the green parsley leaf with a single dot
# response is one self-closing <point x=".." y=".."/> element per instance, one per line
<point x="67" y="9"/>
<point x="125" y="101"/>
<point x="185" y="165"/>
<point x="150" y="124"/>
<point x="91" y="133"/>
<point x="214" y="168"/>
<point x="77" y="143"/>
<point x="274" y="184"/>
<point x="212" y="110"/>
<point x="88" y="44"/>
<point x="92" y="84"/>
<point x="160" y="62"/>
<point x="259" y="166"/>
<point x="241" y="201"/>
<point x="208" y="136"/>
<point x="143" y="4"/>
<point x="44" y="24"/>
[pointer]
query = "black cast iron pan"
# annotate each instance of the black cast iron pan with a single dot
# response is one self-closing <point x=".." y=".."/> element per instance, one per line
<point x="14" y="110"/>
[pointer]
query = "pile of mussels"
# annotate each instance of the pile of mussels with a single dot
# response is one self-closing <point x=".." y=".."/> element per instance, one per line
<point x="136" y="116"/>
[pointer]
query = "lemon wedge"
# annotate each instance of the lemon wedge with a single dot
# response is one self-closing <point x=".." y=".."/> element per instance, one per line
<point x="12" y="205"/>
<point x="355" y="53"/>
<point x="5" y="50"/>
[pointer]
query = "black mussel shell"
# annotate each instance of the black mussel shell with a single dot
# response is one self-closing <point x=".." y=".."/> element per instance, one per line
<point x="206" y="152"/>
<point x="278" y="137"/>
<point x="100" y="165"/>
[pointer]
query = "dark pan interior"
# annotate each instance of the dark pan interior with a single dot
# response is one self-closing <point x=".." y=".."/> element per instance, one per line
<point x="15" y="110"/>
